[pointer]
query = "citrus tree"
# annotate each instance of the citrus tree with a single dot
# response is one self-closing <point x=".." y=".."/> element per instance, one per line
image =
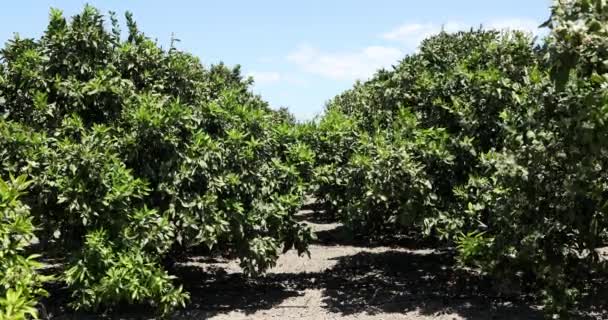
<point x="519" y="184"/>
<point x="20" y="283"/>
<point x="137" y="153"/>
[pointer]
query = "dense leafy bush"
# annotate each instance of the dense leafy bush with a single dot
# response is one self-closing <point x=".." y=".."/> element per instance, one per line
<point x="333" y="140"/>
<point x="546" y="189"/>
<point x="136" y="152"/>
<point x="378" y="182"/>
<point x="455" y="86"/>
<point x="521" y="186"/>
<point x="20" y="284"/>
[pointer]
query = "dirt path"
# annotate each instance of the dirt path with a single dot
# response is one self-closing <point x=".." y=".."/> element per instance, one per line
<point x="346" y="280"/>
<point x="342" y="280"/>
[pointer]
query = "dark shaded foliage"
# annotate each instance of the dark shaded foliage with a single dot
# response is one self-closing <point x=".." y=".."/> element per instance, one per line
<point x="136" y="152"/>
<point x="512" y="163"/>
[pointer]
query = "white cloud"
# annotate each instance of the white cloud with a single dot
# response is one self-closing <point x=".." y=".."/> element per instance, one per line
<point x="528" y="25"/>
<point x="409" y="30"/>
<point x="361" y="64"/>
<point x="265" y="77"/>
<point x="411" y="34"/>
<point x="344" y="65"/>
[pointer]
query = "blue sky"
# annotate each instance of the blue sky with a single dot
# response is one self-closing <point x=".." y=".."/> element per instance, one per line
<point x="301" y="53"/>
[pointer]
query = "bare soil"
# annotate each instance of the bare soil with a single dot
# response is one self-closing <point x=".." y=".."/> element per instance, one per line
<point x="343" y="279"/>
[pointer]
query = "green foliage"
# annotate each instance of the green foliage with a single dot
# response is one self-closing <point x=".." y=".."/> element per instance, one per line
<point x="546" y="191"/>
<point x="136" y="153"/>
<point x="472" y="247"/>
<point x="333" y="140"/>
<point x="460" y="82"/>
<point x="452" y="92"/>
<point x="20" y="284"/>
<point x="380" y="184"/>
<point x="517" y="180"/>
<point x="104" y="276"/>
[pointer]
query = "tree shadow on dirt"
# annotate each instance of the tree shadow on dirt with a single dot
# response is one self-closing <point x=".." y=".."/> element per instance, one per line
<point x="394" y="281"/>
<point x="595" y="300"/>
<point x="220" y="292"/>
<point x="212" y="291"/>
<point x="313" y="205"/>
<point x="374" y="283"/>
<point x="317" y="217"/>
<point x="400" y="282"/>
<point x="341" y="236"/>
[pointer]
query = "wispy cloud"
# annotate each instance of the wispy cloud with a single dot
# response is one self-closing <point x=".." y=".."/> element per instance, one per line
<point x="344" y="65"/>
<point x="362" y="63"/>
<point x="528" y="25"/>
<point x="411" y="34"/>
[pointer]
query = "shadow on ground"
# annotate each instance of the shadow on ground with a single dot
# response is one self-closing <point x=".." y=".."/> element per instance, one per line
<point x="375" y="283"/>
<point x="221" y="292"/>
<point x="315" y="214"/>
<point x="391" y="281"/>
<point x="399" y="282"/>
<point x="387" y="282"/>
<point x="341" y="236"/>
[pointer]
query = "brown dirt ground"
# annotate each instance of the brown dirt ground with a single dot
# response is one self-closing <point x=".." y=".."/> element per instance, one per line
<point x="343" y="279"/>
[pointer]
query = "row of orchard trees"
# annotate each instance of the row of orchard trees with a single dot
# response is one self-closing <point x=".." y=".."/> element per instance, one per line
<point x="118" y="156"/>
<point x="133" y="154"/>
<point x="493" y="140"/>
